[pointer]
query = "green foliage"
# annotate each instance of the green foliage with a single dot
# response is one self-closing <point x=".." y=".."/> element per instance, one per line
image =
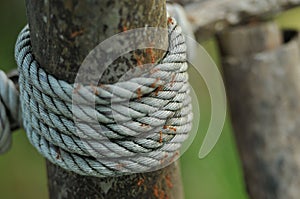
<point x="290" y="19"/>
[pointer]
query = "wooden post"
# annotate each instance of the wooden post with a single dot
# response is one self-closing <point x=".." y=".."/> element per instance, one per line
<point x="262" y="79"/>
<point x="211" y="16"/>
<point x="62" y="34"/>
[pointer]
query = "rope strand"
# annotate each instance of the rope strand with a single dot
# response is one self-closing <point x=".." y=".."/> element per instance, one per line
<point x="143" y="129"/>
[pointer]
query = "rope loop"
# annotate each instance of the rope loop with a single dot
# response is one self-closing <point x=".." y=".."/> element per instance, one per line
<point x="9" y="111"/>
<point x="143" y="130"/>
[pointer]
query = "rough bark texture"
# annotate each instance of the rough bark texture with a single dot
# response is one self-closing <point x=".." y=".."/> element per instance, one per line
<point x="164" y="183"/>
<point x="63" y="33"/>
<point x="211" y="16"/>
<point x="262" y="82"/>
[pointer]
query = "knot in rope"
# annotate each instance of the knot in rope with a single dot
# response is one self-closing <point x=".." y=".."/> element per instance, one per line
<point x="9" y="110"/>
<point x="136" y="125"/>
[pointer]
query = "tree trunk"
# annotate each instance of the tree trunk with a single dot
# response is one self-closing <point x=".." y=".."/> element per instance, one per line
<point x="62" y="35"/>
<point x="262" y="79"/>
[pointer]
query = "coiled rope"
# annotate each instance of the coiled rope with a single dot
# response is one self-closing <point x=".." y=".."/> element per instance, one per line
<point x="143" y="130"/>
<point x="9" y="110"/>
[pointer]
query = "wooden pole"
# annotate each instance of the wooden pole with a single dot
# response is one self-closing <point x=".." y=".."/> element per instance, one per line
<point x="62" y="34"/>
<point x="211" y="16"/>
<point x="262" y="79"/>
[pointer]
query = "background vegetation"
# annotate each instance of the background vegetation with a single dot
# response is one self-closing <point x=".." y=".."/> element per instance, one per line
<point x="218" y="176"/>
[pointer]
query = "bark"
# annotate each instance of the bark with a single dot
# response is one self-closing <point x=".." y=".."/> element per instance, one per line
<point x="63" y="33"/>
<point x="262" y="82"/>
<point x="211" y="16"/>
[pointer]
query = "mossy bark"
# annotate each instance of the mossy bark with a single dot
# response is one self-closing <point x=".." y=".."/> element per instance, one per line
<point x="62" y="34"/>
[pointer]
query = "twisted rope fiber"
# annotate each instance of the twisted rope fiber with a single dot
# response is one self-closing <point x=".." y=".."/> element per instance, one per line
<point x="137" y="124"/>
<point x="9" y="110"/>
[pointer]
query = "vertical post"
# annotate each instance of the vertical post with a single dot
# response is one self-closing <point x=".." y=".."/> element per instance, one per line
<point x="63" y="32"/>
<point x="262" y="79"/>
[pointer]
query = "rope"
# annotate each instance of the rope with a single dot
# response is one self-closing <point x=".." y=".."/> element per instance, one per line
<point x="9" y="110"/>
<point x="178" y="12"/>
<point x="137" y="125"/>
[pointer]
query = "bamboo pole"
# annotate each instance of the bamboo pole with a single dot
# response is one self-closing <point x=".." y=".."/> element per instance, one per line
<point x="262" y="73"/>
<point x="62" y="34"/>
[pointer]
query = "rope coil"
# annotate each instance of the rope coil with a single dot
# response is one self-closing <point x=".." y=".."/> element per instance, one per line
<point x="142" y="129"/>
<point x="9" y="110"/>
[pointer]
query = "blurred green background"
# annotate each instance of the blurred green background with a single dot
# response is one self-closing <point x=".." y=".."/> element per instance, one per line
<point x="218" y="176"/>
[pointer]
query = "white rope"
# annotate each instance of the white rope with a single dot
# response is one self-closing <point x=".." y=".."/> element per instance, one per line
<point x="178" y="12"/>
<point x="149" y="137"/>
<point x="9" y="110"/>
